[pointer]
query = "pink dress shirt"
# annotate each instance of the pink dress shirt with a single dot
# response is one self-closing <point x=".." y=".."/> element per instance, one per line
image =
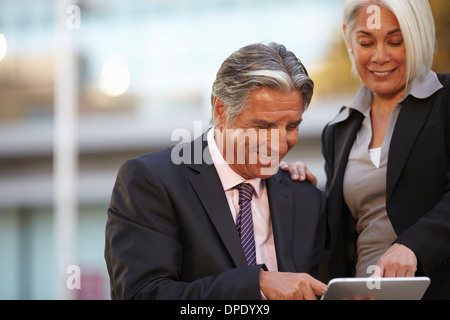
<point x="265" y="248"/>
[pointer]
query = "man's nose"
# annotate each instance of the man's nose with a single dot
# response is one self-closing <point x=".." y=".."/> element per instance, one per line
<point x="278" y="141"/>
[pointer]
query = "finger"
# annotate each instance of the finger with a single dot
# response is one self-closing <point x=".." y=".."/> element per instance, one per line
<point x="318" y="287"/>
<point x="284" y="166"/>
<point x="311" y="178"/>
<point x="301" y="169"/>
<point x="407" y="270"/>
<point x="293" y="170"/>
<point x="400" y="271"/>
<point x="299" y="295"/>
<point x="305" y="290"/>
<point x="397" y="269"/>
<point x="410" y="272"/>
<point x="309" y="294"/>
<point x="390" y="271"/>
<point x="378" y="271"/>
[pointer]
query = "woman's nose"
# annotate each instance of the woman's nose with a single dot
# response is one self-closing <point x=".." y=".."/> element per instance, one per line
<point x="380" y="54"/>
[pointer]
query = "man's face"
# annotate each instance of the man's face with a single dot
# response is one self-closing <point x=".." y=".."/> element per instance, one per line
<point x="254" y="144"/>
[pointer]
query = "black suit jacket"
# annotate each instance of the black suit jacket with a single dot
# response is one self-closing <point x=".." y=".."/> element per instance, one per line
<point x="417" y="190"/>
<point x="170" y="233"/>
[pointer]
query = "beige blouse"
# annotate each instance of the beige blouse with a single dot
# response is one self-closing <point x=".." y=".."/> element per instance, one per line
<point x="365" y="194"/>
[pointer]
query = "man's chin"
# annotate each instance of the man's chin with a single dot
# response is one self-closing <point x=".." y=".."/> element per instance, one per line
<point x="266" y="172"/>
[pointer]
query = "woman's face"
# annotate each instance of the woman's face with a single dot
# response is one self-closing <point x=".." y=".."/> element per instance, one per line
<point x="379" y="53"/>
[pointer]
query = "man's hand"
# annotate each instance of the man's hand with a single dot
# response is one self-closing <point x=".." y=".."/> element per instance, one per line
<point x="290" y="286"/>
<point x="299" y="171"/>
<point x="397" y="261"/>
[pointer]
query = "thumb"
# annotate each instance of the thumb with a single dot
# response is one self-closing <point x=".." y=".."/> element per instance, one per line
<point x="311" y="178"/>
<point x="318" y="287"/>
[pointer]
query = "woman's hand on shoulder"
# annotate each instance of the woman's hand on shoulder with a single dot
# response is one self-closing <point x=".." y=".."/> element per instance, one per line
<point x="299" y="171"/>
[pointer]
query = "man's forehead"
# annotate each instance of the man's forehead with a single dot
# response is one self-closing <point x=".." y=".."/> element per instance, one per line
<point x="271" y="99"/>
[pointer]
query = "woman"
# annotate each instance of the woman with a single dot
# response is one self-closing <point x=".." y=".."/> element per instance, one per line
<point x="387" y="155"/>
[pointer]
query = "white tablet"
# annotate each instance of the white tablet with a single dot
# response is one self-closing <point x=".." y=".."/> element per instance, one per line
<point x="376" y="288"/>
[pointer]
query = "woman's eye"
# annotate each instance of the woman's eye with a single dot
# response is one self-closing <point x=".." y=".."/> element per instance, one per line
<point x="365" y="44"/>
<point x="396" y="44"/>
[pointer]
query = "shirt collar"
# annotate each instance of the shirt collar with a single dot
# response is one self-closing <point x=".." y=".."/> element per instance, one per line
<point x="426" y="85"/>
<point x="421" y="87"/>
<point x="227" y="176"/>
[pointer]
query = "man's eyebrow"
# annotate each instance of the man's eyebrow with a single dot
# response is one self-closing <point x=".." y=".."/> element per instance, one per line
<point x="370" y="34"/>
<point x="264" y="123"/>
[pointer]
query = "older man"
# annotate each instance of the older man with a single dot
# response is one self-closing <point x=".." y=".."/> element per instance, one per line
<point x="226" y="226"/>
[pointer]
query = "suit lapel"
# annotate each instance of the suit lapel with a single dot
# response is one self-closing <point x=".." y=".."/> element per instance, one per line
<point x="345" y="136"/>
<point x="209" y="189"/>
<point x="410" y="122"/>
<point x="282" y="215"/>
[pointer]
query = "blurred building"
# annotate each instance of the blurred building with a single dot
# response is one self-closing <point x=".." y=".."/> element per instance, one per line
<point x="144" y="70"/>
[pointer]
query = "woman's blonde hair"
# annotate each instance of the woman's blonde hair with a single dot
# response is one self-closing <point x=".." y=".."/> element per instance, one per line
<point x="416" y="24"/>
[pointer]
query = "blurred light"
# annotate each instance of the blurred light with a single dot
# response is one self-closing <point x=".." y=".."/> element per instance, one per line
<point x="115" y="78"/>
<point x="3" y="46"/>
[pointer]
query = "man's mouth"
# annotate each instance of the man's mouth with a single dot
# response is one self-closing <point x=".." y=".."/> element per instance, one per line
<point x="267" y="157"/>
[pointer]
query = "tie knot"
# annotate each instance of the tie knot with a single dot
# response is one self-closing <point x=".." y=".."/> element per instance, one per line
<point x="245" y="192"/>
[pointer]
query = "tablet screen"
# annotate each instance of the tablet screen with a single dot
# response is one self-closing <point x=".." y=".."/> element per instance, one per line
<point x="412" y="288"/>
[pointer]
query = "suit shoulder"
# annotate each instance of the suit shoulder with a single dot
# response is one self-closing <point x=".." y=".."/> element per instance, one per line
<point x="156" y="160"/>
<point x="156" y="157"/>
<point x="444" y="78"/>
<point x="445" y="81"/>
<point x="342" y="116"/>
<point x="298" y="186"/>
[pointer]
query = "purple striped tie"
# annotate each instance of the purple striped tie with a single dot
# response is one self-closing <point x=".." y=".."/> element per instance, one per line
<point x="244" y="222"/>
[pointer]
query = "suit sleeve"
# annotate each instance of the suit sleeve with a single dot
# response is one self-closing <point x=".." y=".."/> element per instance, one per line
<point x="144" y="251"/>
<point x="429" y="237"/>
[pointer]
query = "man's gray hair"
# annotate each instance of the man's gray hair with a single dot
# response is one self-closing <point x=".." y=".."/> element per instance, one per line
<point x="255" y="67"/>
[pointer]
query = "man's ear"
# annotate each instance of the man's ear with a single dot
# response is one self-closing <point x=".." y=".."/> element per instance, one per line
<point x="219" y="112"/>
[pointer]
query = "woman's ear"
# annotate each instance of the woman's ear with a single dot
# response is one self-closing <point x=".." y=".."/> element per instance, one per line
<point x="349" y="43"/>
<point x="219" y="112"/>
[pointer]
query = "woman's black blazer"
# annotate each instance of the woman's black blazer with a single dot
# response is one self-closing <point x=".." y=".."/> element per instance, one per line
<point x="417" y="189"/>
